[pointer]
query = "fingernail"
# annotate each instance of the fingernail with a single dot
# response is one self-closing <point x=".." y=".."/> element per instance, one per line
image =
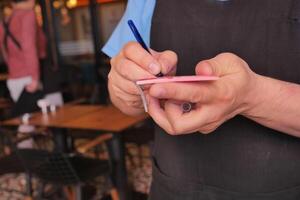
<point x="207" y="69"/>
<point x="154" y="68"/>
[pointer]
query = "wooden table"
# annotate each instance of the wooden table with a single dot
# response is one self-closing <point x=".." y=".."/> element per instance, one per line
<point x="97" y="118"/>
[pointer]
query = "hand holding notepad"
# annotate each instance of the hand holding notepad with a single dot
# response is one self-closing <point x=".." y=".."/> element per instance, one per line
<point x="172" y="79"/>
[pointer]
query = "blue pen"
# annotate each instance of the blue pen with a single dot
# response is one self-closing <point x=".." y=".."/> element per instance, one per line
<point x="140" y="40"/>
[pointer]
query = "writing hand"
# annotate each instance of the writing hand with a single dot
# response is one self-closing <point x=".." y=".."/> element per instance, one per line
<point x="131" y="64"/>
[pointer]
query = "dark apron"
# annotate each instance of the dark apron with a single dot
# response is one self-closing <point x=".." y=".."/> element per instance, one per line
<point x="241" y="159"/>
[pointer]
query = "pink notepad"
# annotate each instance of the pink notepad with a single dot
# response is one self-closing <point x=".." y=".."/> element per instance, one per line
<point x="170" y="79"/>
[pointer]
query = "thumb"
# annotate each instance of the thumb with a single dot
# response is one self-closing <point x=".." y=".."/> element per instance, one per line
<point x="168" y="61"/>
<point x="220" y="65"/>
<point x="204" y="68"/>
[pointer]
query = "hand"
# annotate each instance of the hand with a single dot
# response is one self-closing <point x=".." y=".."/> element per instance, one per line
<point x="33" y="86"/>
<point x="131" y="64"/>
<point x="216" y="101"/>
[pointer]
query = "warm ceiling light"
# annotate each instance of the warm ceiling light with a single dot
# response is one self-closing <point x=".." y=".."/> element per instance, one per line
<point x="57" y="4"/>
<point x="72" y="3"/>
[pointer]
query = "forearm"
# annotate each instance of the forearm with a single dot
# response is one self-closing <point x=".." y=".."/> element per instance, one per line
<point x="275" y="104"/>
<point x="129" y="110"/>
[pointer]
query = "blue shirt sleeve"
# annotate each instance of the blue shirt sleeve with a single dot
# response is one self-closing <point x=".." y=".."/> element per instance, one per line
<point x="141" y="12"/>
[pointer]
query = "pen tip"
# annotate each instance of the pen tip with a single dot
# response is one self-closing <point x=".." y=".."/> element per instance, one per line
<point x="159" y="74"/>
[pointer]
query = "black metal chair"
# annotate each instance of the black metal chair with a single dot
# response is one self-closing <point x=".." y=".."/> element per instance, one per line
<point x="9" y="160"/>
<point x="65" y="170"/>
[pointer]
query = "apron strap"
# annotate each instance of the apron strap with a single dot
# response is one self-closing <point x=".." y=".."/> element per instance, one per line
<point x="8" y="34"/>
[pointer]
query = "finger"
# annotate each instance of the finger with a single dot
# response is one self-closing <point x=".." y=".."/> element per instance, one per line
<point x="209" y="128"/>
<point x="135" y="52"/>
<point x="174" y="114"/>
<point x="211" y="67"/>
<point x="168" y="60"/>
<point x="184" y="123"/>
<point x="204" y="68"/>
<point x="191" y="92"/>
<point x="129" y="100"/>
<point x="221" y="65"/>
<point x="124" y="95"/>
<point x="158" y="114"/>
<point x="122" y="83"/>
<point x="131" y="71"/>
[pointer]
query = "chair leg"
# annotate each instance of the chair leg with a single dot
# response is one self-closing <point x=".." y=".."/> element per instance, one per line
<point x="28" y="184"/>
<point x="40" y="190"/>
<point x="114" y="194"/>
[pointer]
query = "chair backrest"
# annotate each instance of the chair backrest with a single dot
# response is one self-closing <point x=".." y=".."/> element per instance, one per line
<point x="51" y="167"/>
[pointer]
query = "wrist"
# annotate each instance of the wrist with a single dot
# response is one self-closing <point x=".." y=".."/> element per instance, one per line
<point x="258" y="95"/>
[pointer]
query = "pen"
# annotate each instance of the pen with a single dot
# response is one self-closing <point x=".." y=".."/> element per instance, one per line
<point x="140" y="40"/>
<point x="186" y="106"/>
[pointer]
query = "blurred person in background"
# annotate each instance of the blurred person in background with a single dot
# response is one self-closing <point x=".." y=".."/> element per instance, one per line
<point x="18" y="39"/>
<point x="23" y="44"/>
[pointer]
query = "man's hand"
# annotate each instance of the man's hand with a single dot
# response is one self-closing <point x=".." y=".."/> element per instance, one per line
<point x="33" y="86"/>
<point x="131" y="64"/>
<point x="215" y="101"/>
